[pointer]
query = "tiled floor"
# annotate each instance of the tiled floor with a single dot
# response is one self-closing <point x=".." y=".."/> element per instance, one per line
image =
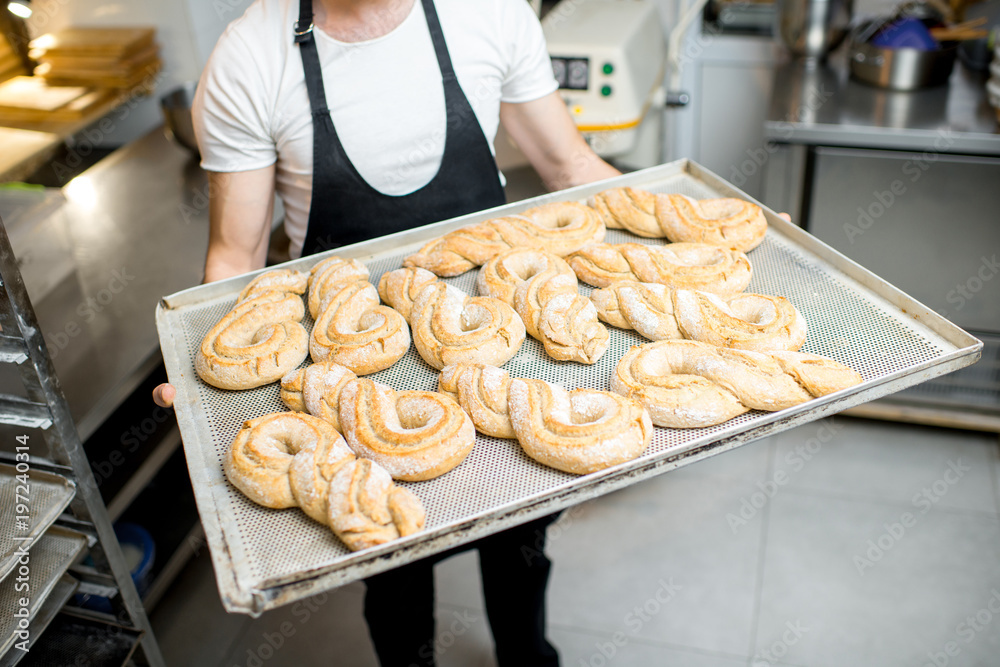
<point x="839" y="543"/>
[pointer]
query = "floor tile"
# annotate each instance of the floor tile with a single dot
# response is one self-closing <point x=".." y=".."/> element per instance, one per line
<point x="586" y="649"/>
<point x="617" y="558"/>
<point x="190" y="624"/>
<point x="319" y="631"/>
<point x="822" y="606"/>
<point x="892" y="462"/>
<point x="457" y="581"/>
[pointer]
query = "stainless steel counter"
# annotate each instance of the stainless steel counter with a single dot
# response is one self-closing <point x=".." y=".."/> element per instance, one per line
<point x="823" y="106"/>
<point x="136" y="228"/>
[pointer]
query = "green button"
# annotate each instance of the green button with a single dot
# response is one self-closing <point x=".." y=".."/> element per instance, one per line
<point x="608" y="68"/>
<point x="605" y="90"/>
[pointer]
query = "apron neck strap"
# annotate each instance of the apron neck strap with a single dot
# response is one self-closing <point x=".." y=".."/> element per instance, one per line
<point x="304" y="26"/>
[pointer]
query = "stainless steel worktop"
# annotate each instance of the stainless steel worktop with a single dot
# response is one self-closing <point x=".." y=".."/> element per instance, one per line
<point x="136" y="228"/>
<point x="823" y="106"/>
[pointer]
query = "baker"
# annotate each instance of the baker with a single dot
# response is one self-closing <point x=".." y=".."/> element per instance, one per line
<point x="368" y="117"/>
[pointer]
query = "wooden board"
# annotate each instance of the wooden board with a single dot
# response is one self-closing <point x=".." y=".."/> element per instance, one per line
<point x="116" y="42"/>
<point x="115" y="64"/>
<point x="141" y="76"/>
<point x="28" y="92"/>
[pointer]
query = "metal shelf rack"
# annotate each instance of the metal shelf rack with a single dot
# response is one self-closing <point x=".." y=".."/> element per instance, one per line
<point x="61" y="453"/>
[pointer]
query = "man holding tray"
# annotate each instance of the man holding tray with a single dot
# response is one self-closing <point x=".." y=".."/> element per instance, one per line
<point x="369" y="117"/>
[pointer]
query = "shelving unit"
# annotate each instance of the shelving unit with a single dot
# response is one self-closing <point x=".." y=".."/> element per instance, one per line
<point x="61" y="453"/>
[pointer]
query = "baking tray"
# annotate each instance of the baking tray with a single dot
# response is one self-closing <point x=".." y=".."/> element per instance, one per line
<point x="267" y="558"/>
<point x="48" y="496"/>
<point x="48" y="561"/>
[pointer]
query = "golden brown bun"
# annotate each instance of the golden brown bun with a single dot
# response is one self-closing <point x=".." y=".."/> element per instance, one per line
<point x="450" y="327"/>
<point x="316" y="389"/>
<point x="696" y="266"/>
<point x="687" y="384"/>
<point x="265" y="450"/>
<point x="280" y="280"/>
<point x="367" y="509"/>
<point x="398" y="289"/>
<point x="330" y="273"/>
<point x="543" y="291"/>
<point x="481" y="390"/>
<point x="744" y="322"/>
<point x="728" y="222"/>
<point x="289" y="459"/>
<point x="415" y="435"/>
<point x="255" y="343"/>
<point x="560" y="228"/>
<point x="578" y="431"/>
<point x="355" y="331"/>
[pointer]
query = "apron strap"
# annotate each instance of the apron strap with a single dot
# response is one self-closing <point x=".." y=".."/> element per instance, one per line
<point x="437" y="37"/>
<point x="311" y="65"/>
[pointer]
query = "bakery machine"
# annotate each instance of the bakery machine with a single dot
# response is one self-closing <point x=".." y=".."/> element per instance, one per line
<point x="608" y="57"/>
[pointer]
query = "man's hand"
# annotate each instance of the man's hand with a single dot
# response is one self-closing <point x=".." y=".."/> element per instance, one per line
<point x="547" y="135"/>
<point x="241" y="207"/>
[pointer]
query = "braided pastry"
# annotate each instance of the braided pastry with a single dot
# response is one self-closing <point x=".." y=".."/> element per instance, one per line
<point x="560" y="228"/>
<point x="367" y="509"/>
<point x="728" y="222"/>
<point x="290" y="459"/>
<point x="329" y="274"/>
<point x="744" y="322"/>
<point x="628" y="208"/>
<point x="415" y="435"/>
<point x="543" y="291"/>
<point x="451" y="327"/>
<point x="279" y="280"/>
<point x="687" y="384"/>
<point x="679" y="265"/>
<point x="316" y="389"/>
<point x="255" y="343"/>
<point x="481" y="390"/>
<point x="578" y="431"/>
<point x="355" y="331"/>
<point x="399" y="288"/>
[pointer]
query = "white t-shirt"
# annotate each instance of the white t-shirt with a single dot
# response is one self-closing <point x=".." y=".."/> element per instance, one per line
<point x="386" y="96"/>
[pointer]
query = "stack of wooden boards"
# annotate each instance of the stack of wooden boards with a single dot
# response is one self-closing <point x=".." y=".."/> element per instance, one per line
<point x="104" y="57"/>
<point x="80" y="70"/>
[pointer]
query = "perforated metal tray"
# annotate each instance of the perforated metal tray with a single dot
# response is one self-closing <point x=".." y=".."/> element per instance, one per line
<point x="48" y="496"/>
<point x="266" y="558"/>
<point x="48" y="560"/>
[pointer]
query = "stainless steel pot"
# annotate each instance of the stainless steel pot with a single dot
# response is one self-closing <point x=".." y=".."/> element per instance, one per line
<point x="813" y="28"/>
<point x="899" y="69"/>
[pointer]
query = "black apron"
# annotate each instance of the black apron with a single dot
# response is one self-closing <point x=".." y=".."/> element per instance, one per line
<point x="345" y="208"/>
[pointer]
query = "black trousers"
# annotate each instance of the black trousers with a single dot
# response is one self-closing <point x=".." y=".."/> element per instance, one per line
<point x="399" y="604"/>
